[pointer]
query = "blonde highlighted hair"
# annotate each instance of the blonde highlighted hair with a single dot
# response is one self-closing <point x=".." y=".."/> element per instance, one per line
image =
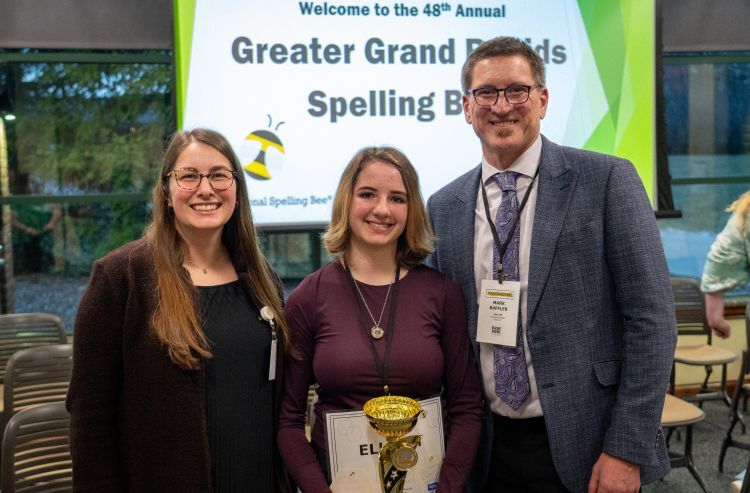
<point x="176" y="321"/>
<point x="416" y="242"/>
<point x="740" y="207"/>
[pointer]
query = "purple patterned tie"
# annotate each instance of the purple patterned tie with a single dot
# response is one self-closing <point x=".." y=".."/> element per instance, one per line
<point x="511" y="377"/>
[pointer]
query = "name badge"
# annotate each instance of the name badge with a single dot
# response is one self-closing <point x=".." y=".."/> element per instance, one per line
<point x="498" y="312"/>
<point x="353" y="448"/>
<point x="272" y="362"/>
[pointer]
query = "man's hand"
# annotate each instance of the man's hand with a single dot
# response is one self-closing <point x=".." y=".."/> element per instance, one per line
<point x="613" y="475"/>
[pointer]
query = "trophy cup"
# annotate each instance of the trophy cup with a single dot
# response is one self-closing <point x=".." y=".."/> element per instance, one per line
<point x="392" y="417"/>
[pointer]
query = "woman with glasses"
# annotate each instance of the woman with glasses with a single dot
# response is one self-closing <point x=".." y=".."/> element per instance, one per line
<point x="376" y="321"/>
<point x="175" y="372"/>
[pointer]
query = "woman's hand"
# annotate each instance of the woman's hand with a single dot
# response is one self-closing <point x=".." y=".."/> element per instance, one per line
<point x="715" y="314"/>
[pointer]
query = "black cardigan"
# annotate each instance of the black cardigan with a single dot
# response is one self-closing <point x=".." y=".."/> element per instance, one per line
<point x="137" y="420"/>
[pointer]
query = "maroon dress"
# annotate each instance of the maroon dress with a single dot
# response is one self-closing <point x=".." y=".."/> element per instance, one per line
<point x="430" y="354"/>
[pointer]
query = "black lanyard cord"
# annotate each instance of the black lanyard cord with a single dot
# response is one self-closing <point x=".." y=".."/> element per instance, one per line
<point x="501" y="247"/>
<point x="381" y="365"/>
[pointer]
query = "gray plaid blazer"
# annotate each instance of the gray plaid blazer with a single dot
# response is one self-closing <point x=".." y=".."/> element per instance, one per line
<point x="601" y="328"/>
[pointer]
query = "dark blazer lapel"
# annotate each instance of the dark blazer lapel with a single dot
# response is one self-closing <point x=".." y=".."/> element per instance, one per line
<point x="462" y="232"/>
<point x="556" y="184"/>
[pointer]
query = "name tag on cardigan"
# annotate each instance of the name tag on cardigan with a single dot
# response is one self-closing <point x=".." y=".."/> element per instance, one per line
<point x="353" y="448"/>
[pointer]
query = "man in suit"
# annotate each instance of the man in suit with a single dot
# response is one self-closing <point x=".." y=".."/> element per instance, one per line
<point x="578" y="247"/>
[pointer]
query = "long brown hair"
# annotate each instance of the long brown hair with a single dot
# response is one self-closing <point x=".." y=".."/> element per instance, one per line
<point x="416" y="242"/>
<point x="176" y="321"/>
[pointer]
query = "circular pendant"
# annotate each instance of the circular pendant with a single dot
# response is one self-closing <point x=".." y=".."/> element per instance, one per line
<point x="376" y="332"/>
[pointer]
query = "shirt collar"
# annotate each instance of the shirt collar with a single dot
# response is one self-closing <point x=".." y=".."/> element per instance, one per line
<point x="526" y="164"/>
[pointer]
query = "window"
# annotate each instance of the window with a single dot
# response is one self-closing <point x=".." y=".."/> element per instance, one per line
<point x="707" y="114"/>
<point x="294" y="254"/>
<point x="85" y="136"/>
<point x="85" y="132"/>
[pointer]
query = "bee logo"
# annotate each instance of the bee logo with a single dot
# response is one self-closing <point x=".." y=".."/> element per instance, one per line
<point x="269" y="150"/>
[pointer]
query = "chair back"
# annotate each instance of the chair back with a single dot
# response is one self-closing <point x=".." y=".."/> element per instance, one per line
<point x="36" y="376"/>
<point x="36" y="451"/>
<point x="24" y="330"/>
<point x="690" y="308"/>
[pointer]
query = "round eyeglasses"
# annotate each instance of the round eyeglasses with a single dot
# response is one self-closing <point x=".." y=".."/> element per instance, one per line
<point x="514" y="94"/>
<point x="190" y="179"/>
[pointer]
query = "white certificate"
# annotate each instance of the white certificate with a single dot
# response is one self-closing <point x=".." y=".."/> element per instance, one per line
<point x="353" y="448"/>
<point x="497" y="321"/>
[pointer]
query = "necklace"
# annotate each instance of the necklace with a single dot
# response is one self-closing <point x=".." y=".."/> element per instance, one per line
<point x="376" y="331"/>
<point x="380" y="364"/>
<point x="204" y="269"/>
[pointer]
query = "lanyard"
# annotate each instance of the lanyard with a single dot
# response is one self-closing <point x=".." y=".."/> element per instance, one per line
<point x="504" y="246"/>
<point x="381" y="365"/>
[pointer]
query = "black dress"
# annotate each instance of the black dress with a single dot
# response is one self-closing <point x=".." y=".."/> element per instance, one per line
<point x="239" y="396"/>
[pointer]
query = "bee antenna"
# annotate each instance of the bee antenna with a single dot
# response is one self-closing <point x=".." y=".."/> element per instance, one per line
<point x="280" y="124"/>
<point x="269" y="121"/>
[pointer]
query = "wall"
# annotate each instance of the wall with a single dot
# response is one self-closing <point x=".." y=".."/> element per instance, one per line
<point x="688" y="25"/>
<point x="700" y="25"/>
<point x="86" y="24"/>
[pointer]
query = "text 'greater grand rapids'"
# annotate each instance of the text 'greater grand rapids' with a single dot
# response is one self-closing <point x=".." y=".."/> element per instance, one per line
<point x="382" y="102"/>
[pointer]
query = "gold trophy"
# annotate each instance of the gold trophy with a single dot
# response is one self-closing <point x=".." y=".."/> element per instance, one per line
<point x="392" y="417"/>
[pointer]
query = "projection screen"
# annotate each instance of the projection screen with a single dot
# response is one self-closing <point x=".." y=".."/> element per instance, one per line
<point x="299" y="86"/>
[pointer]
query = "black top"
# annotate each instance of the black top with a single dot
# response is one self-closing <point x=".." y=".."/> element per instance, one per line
<point x="239" y="396"/>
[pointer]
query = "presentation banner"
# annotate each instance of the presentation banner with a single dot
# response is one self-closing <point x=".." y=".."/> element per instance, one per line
<point x="299" y="86"/>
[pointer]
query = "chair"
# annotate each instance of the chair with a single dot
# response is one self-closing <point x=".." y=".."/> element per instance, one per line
<point x="36" y="451"/>
<point x="691" y="320"/>
<point x="741" y="393"/>
<point x="35" y="376"/>
<point x="678" y="413"/>
<point x="23" y="330"/>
